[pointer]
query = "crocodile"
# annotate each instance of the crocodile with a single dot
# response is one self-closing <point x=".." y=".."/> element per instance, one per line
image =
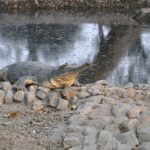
<point x="23" y="74"/>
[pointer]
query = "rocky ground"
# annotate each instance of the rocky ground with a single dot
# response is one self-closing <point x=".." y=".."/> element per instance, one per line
<point x="99" y="116"/>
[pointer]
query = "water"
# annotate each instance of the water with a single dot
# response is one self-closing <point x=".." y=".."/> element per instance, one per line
<point x="120" y="51"/>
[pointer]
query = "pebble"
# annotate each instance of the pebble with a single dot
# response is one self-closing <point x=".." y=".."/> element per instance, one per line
<point x="83" y="94"/>
<point x="30" y="97"/>
<point x="134" y="112"/>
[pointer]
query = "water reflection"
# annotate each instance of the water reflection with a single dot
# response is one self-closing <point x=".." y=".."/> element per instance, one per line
<point x="50" y="43"/>
<point x="120" y="53"/>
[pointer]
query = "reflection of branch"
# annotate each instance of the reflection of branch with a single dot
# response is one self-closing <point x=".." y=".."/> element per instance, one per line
<point x="112" y="49"/>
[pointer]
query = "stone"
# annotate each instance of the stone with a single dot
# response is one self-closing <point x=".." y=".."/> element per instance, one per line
<point x="44" y="89"/>
<point x="2" y="97"/>
<point x="71" y="140"/>
<point x="128" y="138"/>
<point x="144" y="146"/>
<point x="63" y="104"/>
<point x="102" y="82"/>
<point x="120" y="146"/>
<point x="120" y="109"/>
<point x="143" y="132"/>
<point x="113" y="128"/>
<point x="9" y="97"/>
<point x="41" y="95"/>
<point x="30" y="96"/>
<point x="96" y="89"/>
<point x="53" y="99"/>
<point x="83" y="94"/>
<point x="32" y="89"/>
<point x="129" y="125"/>
<point x="19" y="96"/>
<point x="68" y="93"/>
<point x="37" y="105"/>
<point x="5" y="86"/>
<point x="106" y="141"/>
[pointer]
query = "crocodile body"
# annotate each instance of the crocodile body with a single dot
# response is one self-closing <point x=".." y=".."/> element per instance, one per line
<point x="26" y="73"/>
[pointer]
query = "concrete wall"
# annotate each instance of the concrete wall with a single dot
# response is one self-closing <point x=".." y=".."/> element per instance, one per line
<point x="57" y="4"/>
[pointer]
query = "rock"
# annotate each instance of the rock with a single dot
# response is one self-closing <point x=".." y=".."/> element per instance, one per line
<point x="44" y="89"/>
<point x="5" y="86"/>
<point x="120" y="146"/>
<point x="9" y="97"/>
<point x="128" y="138"/>
<point x="119" y="120"/>
<point x="30" y="96"/>
<point x="143" y="132"/>
<point x="37" y="105"/>
<point x="69" y="93"/>
<point x="63" y="104"/>
<point x="41" y="95"/>
<point x="106" y="141"/>
<point x="120" y="109"/>
<point x="102" y="82"/>
<point x="2" y="97"/>
<point x="83" y="94"/>
<point x="71" y="140"/>
<point x="129" y="125"/>
<point x="96" y="89"/>
<point x="53" y="98"/>
<point x="144" y="146"/>
<point x="32" y="89"/>
<point x="113" y="128"/>
<point x="19" y="96"/>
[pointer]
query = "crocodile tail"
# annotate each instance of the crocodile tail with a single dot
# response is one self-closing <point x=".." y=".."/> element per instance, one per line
<point x="3" y="74"/>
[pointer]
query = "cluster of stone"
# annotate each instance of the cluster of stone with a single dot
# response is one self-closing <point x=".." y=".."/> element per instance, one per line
<point x="107" y="116"/>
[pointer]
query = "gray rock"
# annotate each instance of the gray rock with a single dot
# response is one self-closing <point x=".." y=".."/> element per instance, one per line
<point x="96" y="89"/>
<point x="102" y="82"/>
<point x="68" y="93"/>
<point x="19" y="96"/>
<point x="33" y="88"/>
<point x="129" y="125"/>
<point x="71" y="140"/>
<point x="30" y="96"/>
<point x="134" y="112"/>
<point x="41" y="95"/>
<point x="113" y="128"/>
<point x="5" y="86"/>
<point x="120" y="109"/>
<point x="44" y="89"/>
<point x="83" y="94"/>
<point x="143" y="132"/>
<point x="106" y="141"/>
<point x="37" y="105"/>
<point x="63" y="104"/>
<point x="120" y="146"/>
<point x="2" y="97"/>
<point x="9" y="97"/>
<point x="144" y="146"/>
<point x="53" y="99"/>
<point x="128" y="138"/>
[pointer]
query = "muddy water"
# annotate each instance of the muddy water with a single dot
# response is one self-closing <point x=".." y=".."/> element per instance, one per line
<point x="120" y="51"/>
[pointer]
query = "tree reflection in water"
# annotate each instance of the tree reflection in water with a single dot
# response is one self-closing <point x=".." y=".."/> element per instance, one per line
<point x="120" y="53"/>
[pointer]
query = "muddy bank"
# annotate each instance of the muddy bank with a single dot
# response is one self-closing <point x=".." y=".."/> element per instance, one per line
<point x="92" y="116"/>
<point x="86" y="4"/>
